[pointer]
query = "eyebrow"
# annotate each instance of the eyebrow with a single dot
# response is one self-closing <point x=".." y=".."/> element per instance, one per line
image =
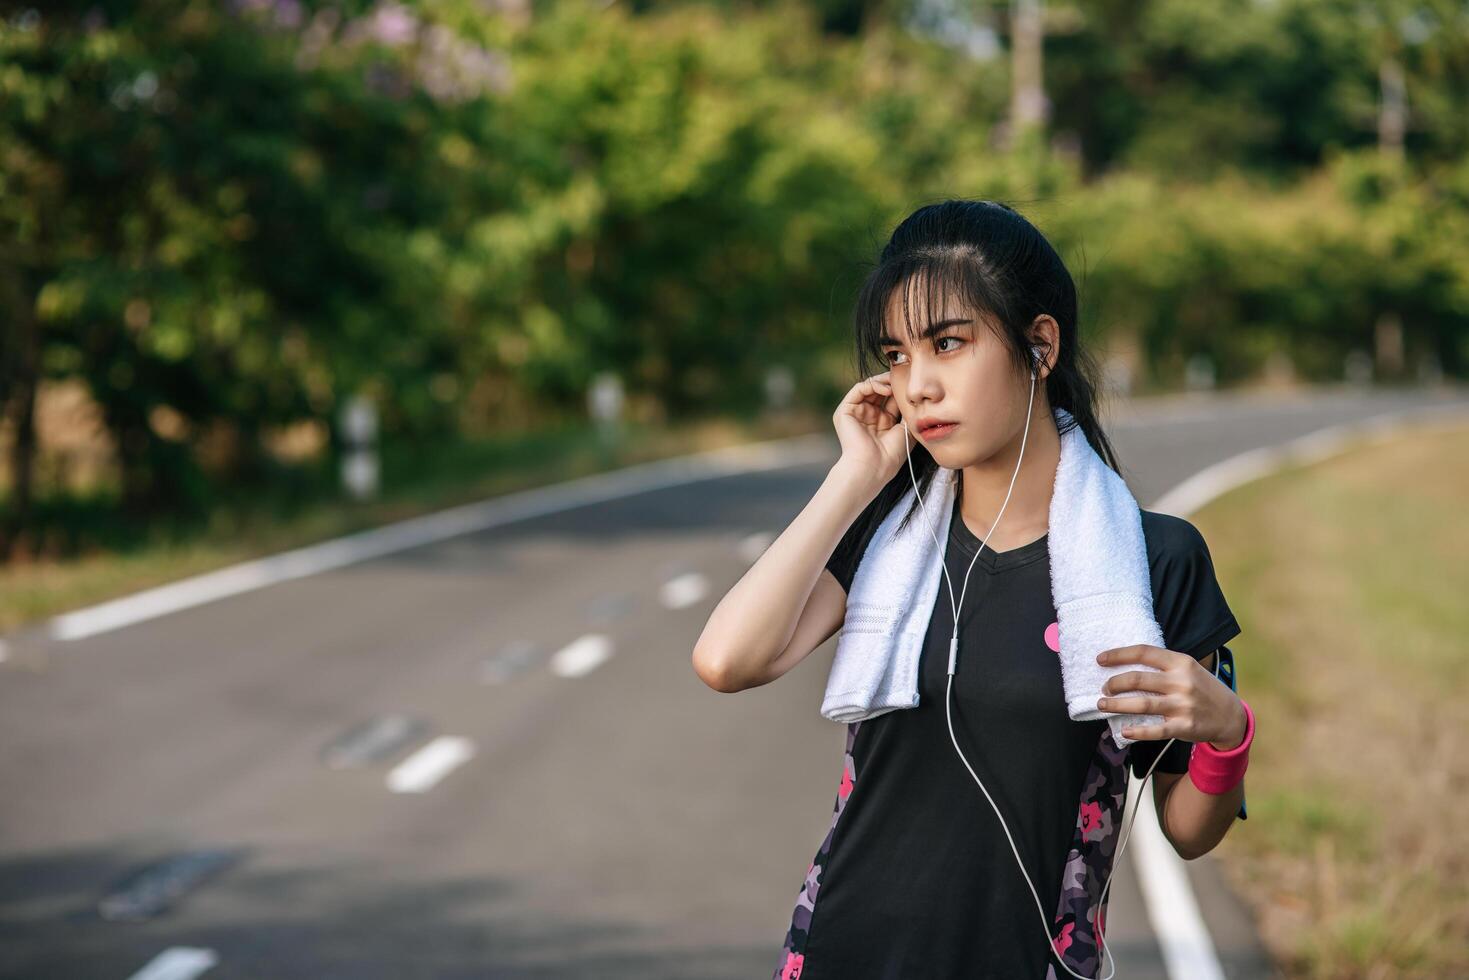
<point x="929" y="331"/>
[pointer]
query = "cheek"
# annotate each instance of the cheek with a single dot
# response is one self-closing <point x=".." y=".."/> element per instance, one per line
<point x="985" y="400"/>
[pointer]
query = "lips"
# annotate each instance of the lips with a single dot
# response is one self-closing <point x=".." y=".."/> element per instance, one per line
<point x="935" y="429"/>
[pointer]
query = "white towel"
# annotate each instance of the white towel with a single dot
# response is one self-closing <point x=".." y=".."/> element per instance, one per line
<point x="1100" y="587"/>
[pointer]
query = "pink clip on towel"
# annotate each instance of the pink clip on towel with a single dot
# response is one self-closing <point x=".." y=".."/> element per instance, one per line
<point x="1100" y="583"/>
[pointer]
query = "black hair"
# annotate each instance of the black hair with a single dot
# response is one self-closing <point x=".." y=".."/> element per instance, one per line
<point x="988" y="256"/>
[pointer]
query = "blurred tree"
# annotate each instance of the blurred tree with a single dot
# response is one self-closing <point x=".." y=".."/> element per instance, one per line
<point x="196" y="222"/>
<point x="227" y="217"/>
<point x="1190" y="90"/>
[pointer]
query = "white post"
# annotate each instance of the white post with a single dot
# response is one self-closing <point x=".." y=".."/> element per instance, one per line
<point x="359" y="460"/>
<point x="604" y="404"/>
<point x="780" y="387"/>
<point x="1200" y="374"/>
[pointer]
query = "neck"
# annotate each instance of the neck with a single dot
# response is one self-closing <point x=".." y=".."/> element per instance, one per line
<point x="1027" y="515"/>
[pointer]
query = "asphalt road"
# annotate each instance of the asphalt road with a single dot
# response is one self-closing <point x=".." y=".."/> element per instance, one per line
<point x="550" y="791"/>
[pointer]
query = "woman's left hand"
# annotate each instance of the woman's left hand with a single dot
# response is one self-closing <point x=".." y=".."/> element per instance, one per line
<point x="1196" y="706"/>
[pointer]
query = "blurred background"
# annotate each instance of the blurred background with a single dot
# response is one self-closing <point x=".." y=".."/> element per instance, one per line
<point x="273" y="271"/>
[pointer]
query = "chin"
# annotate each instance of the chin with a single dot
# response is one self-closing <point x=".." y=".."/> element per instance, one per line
<point x="950" y="456"/>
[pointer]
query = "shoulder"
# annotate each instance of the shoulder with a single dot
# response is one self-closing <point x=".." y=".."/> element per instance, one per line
<point x="1187" y="598"/>
<point x="1178" y="555"/>
<point x="1171" y="538"/>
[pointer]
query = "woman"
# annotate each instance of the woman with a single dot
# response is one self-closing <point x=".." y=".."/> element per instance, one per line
<point x="916" y="877"/>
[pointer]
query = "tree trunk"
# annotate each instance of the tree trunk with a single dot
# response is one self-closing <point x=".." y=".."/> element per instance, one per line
<point x="20" y="408"/>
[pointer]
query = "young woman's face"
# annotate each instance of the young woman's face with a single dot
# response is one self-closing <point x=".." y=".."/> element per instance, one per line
<point x="959" y="371"/>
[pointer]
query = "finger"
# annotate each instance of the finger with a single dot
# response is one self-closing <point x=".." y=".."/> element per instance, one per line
<point x="889" y="407"/>
<point x="1135" y="704"/>
<point x="864" y="391"/>
<point x="1146" y="733"/>
<point x="1139" y="653"/>
<point x="883" y="381"/>
<point x="1150" y="681"/>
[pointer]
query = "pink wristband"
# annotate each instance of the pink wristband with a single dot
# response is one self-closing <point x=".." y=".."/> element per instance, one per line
<point x="1215" y="771"/>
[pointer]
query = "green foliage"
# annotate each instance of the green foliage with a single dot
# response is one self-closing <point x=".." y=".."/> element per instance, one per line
<point x="1236" y="270"/>
<point x="241" y="213"/>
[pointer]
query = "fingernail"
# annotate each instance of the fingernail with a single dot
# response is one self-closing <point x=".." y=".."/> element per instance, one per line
<point x="1101" y="658"/>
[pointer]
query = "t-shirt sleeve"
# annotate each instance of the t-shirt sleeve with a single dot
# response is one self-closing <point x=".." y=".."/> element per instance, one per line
<point x="849" y="550"/>
<point x="1194" y="616"/>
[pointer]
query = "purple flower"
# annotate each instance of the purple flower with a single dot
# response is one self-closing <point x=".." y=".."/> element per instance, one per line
<point x="393" y="24"/>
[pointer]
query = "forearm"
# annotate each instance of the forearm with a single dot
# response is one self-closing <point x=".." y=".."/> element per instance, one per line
<point x="1195" y="821"/>
<point x="754" y="621"/>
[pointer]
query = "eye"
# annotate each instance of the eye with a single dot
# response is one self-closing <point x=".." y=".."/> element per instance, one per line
<point x="957" y="340"/>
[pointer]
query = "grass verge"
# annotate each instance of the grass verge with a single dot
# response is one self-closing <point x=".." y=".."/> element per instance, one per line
<point x="1349" y="577"/>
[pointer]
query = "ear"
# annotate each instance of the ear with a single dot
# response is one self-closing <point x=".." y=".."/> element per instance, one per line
<point x="1045" y="333"/>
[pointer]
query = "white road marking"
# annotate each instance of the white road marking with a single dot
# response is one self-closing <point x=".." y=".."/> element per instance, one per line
<point x="177" y="963"/>
<point x="468" y="519"/>
<point x="429" y="528"/>
<point x="752" y="546"/>
<point x="1218" y="479"/>
<point x="582" y="655"/>
<point x="1188" y="951"/>
<point x="422" y="770"/>
<point x="684" y="591"/>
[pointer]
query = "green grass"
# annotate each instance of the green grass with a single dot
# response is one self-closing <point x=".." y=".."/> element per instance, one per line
<point x="1348" y="577"/>
<point x="1299" y="817"/>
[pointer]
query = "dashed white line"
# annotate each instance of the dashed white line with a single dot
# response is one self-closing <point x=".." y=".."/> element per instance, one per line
<point x="752" y="546"/>
<point x="177" y="963"/>
<point x="422" y="770"/>
<point x="582" y="655"/>
<point x="684" y="591"/>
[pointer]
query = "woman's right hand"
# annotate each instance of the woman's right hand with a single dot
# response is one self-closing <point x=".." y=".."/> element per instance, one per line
<point x="870" y="430"/>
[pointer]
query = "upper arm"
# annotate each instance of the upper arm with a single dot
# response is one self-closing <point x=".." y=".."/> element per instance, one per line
<point x="823" y="614"/>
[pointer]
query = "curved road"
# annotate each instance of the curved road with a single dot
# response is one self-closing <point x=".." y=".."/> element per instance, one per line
<point x="487" y="756"/>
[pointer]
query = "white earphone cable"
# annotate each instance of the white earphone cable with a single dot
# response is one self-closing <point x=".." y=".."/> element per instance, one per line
<point x="953" y="662"/>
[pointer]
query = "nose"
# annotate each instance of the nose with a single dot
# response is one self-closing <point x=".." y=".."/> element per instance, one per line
<point x="922" y="381"/>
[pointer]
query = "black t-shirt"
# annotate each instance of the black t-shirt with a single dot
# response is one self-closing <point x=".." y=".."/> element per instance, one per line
<point x="915" y="877"/>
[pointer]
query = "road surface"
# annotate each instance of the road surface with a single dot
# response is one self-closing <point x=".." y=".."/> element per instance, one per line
<point x="484" y="757"/>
